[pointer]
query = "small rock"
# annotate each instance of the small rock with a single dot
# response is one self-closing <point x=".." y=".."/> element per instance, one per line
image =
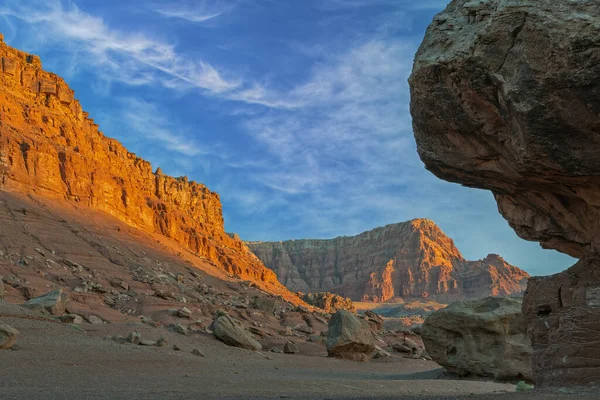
<point x="176" y="348"/>
<point x="8" y="336"/>
<point x="198" y="352"/>
<point x="400" y="348"/>
<point x="182" y="330"/>
<point x="92" y="319"/>
<point x="380" y="353"/>
<point x="134" y="337"/>
<point x="184" y="312"/>
<point x="71" y="319"/>
<point x="290" y="348"/>
<point x="147" y="343"/>
<point x="54" y="302"/>
<point x="276" y="350"/>
<point x="162" y="342"/>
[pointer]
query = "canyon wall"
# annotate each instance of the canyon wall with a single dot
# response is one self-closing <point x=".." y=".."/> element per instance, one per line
<point x="505" y="96"/>
<point x="51" y="147"/>
<point x="414" y="259"/>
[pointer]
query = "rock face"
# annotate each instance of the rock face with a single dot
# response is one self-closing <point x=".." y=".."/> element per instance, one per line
<point x="8" y="336"/>
<point x="50" y="146"/>
<point x="505" y="97"/>
<point x="349" y="337"/>
<point x="409" y="259"/>
<point x="484" y="337"/>
<point x="328" y="302"/>
<point x="231" y="332"/>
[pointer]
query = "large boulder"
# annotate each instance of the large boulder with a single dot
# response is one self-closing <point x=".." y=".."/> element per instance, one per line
<point x="231" y="332"/>
<point x="53" y="302"/>
<point x="484" y="337"/>
<point x="505" y="97"/>
<point x="8" y="336"/>
<point x="349" y="337"/>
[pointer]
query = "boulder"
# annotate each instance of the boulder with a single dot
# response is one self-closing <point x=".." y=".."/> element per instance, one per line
<point x="504" y="97"/>
<point x="266" y="304"/>
<point x="349" y="337"/>
<point x="290" y="348"/>
<point x="53" y="302"/>
<point x="231" y="332"/>
<point x="134" y="337"/>
<point x="8" y="336"/>
<point x="485" y="337"/>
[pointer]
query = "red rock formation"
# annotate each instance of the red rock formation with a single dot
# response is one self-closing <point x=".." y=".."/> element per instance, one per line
<point x="505" y="97"/>
<point x="49" y="146"/>
<point x="410" y="259"/>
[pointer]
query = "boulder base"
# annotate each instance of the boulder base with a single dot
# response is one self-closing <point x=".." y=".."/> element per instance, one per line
<point x="485" y="337"/>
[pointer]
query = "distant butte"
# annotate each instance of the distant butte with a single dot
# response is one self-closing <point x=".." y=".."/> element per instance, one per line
<point x="413" y="259"/>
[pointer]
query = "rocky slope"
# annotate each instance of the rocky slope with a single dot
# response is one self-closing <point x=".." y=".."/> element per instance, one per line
<point x="51" y="147"/>
<point x="410" y="259"/>
<point x="505" y="97"/>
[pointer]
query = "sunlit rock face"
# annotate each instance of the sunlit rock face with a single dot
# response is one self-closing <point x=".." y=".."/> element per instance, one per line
<point x="505" y="96"/>
<point x="413" y="259"/>
<point x="50" y="146"/>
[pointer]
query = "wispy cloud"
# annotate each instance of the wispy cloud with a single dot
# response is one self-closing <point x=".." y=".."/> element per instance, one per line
<point x="197" y="11"/>
<point x="130" y="57"/>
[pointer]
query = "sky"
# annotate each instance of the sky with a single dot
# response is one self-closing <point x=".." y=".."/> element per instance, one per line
<point x="295" y="111"/>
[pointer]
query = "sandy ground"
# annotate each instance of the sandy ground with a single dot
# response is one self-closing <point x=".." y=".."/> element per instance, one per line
<point x="57" y="361"/>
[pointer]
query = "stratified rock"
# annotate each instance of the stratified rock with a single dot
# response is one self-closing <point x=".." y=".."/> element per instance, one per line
<point x="8" y="336"/>
<point x="410" y="259"/>
<point x="53" y="302"/>
<point x="485" y="337"/>
<point x="504" y="97"/>
<point x="349" y="337"/>
<point x="329" y="302"/>
<point x="51" y="147"/>
<point x="231" y="332"/>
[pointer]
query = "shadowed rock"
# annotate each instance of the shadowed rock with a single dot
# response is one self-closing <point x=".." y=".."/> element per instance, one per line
<point x="349" y="337"/>
<point x="231" y="332"/>
<point x="505" y="97"/>
<point x="486" y="337"/>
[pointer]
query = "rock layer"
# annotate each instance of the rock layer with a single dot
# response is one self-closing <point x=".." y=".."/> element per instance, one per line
<point x="51" y="147"/>
<point x="505" y="97"/>
<point x="484" y="337"/>
<point x="410" y="259"/>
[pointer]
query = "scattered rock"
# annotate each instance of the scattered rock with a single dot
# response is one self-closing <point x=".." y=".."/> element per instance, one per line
<point x="198" y="352"/>
<point x="71" y="319"/>
<point x="134" y="337"/>
<point x="147" y="343"/>
<point x="401" y="348"/>
<point x="176" y="348"/>
<point x="162" y="342"/>
<point x="95" y="320"/>
<point x="8" y="336"/>
<point x="184" y="312"/>
<point x="380" y="353"/>
<point x="349" y="337"/>
<point x="290" y="348"/>
<point x="231" y="332"/>
<point x="484" y="337"/>
<point x="53" y="302"/>
<point x="177" y="328"/>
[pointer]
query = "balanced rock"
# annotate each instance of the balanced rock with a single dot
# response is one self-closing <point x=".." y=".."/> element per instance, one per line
<point x="504" y="97"/>
<point x="53" y="302"/>
<point x="349" y="337"/>
<point x="8" y="336"/>
<point x="486" y="337"/>
<point x="231" y="332"/>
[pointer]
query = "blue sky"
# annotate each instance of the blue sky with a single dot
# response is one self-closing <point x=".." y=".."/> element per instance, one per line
<point x="295" y="111"/>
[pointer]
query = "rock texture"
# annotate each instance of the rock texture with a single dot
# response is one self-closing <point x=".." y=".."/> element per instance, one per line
<point x="485" y="337"/>
<point x="409" y="259"/>
<point x="51" y="147"/>
<point x="349" y="337"/>
<point x="505" y="97"/>
<point x="328" y="302"/>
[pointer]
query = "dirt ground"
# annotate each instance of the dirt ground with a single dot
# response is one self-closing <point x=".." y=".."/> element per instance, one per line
<point x="58" y="361"/>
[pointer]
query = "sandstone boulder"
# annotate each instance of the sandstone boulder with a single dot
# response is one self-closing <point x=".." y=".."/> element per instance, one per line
<point x="53" y="302"/>
<point x="504" y="97"/>
<point x="349" y="337"/>
<point x="486" y="337"/>
<point x="8" y="336"/>
<point x="231" y="332"/>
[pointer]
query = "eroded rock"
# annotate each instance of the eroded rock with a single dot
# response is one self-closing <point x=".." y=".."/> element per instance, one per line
<point x="504" y="97"/>
<point x="349" y="337"/>
<point x="231" y="332"/>
<point x="486" y="337"/>
<point x="53" y="302"/>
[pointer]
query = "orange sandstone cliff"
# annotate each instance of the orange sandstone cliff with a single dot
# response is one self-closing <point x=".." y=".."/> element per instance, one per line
<point x="413" y="259"/>
<point x="50" y="147"/>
